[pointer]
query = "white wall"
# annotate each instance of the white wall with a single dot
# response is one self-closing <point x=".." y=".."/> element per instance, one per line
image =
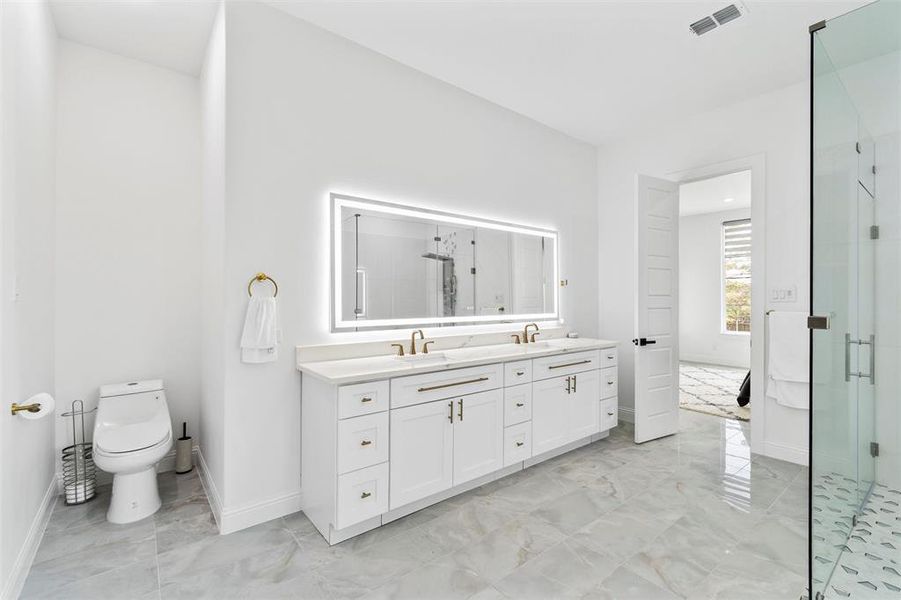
<point x="212" y="293"/>
<point x="308" y="113"/>
<point x="27" y="182"/>
<point x="774" y="124"/>
<point x="701" y="337"/>
<point x="127" y="238"/>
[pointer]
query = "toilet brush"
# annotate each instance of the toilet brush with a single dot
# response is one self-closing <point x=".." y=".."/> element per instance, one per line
<point x="184" y="462"/>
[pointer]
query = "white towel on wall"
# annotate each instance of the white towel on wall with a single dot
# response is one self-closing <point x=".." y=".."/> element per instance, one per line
<point x="261" y="335"/>
<point x="788" y="359"/>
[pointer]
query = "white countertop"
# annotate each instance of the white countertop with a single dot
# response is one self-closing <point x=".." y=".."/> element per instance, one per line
<point x="356" y="370"/>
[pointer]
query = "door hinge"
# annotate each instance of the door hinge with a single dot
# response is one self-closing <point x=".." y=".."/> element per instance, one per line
<point x="874" y="449"/>
<point x="874" y="232"/>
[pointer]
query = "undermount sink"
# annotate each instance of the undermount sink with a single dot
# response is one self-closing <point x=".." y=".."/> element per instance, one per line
<point x="422" y="357"/>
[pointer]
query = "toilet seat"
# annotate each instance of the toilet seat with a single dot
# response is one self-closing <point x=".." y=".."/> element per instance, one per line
<point x="132" y="422"/>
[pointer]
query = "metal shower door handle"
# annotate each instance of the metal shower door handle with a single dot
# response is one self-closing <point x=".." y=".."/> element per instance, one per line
<point x="872" y="344"/>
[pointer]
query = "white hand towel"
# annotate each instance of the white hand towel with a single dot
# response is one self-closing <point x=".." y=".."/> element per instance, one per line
<point x="789" y="346"/>
<point x="787" y="360"/>
<point x="259" y="341"/>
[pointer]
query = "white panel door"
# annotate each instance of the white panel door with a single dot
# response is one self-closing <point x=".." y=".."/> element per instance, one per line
<point x="422" y="451"/>
<point x="478" y="435"/>
<point x="584" y="405"/>
<point x="550" y="414"/>
<point x="657" y="313"/>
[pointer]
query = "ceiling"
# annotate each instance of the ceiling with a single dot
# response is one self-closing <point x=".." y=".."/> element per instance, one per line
<point x="168" y="33"/>
<point x="726" y="192"/>
<point x="596" y="70"/>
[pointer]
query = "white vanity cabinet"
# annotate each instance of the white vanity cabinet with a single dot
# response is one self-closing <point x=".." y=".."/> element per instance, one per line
<point x="374" y="451"/>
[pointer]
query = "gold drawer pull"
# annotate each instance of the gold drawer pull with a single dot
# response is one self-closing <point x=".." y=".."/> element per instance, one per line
<point x="365" y="442"/>
<point x="518" y="444"/>
<point x="611" y="356"/>
<point x="519" y="405"/>
<point x="447" y="385"/>
<point x="610" y="383"/>
<point x="365" y="399"/>
<point x="609" y="414"/>
<point x="572" y="364"/>
<point x="520" y="373"/>
<point x="364" y="495"/>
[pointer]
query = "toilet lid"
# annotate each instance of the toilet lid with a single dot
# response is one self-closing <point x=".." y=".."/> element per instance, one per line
<point x="131" y="423"/>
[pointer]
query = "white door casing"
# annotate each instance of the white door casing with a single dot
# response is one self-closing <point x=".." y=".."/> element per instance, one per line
<point x="657" y="312"/>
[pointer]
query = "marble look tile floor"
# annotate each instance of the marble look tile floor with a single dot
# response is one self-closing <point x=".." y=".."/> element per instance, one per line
<point x="689" y="516"/>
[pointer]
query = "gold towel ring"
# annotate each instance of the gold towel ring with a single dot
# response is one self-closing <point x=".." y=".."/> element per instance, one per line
<point x="261" y="277"/>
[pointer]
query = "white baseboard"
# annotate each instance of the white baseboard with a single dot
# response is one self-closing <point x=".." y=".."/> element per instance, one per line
<point x="242" y="517"/>
<point x="717" y="361"/>
<point x="799" y="456"/>
<point x="212" y="494"/>
<point x="29" y="549"/>
<point x="627" y="414"/>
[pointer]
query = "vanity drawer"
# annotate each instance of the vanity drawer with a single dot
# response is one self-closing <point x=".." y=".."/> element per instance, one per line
<point x="609" y="382"/>
<point x="565" y="364"/>
<point x="517" y="443"/>
<point x="362" y="442"/>
<point x="517" y="372"/>
<point x="362" y="399"/>
<point x="416" y="389"/>
<point x="608" y="357"/>
<point x="609" y="414"/>
<point x="362" y="495"/>
<point x="517" y="404"/>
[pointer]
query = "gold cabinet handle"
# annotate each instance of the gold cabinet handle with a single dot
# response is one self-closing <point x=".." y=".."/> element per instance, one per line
<point x="364" y="495"/>
<point x="518" y="444"/>
<point x="520" y="373"/>
<point x="461" y="409"/>
<point x="450" y="416"/>
<point x="447" y="385"/>
<point x="365" y="399"/>
<point x="519" y="405"/>
<point x="609" y="383"/>
<point x="574" y="384"/>
<point x="569" y="385"/>
<point x="611" y="356"/>
<point x="609" y="414"/>
<point x="366" y="442"/>
<point x="572" y="364"/>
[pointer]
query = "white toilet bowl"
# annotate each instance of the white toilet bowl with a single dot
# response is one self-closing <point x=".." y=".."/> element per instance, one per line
<point x="132" y="433"/>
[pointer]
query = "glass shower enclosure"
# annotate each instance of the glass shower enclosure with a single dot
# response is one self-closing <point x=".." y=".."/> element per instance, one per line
<point x="855" y="470"/>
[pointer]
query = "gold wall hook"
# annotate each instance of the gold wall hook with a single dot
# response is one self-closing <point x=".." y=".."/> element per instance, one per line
<point x="32" y="408"/>
<point x="261" y="277"/>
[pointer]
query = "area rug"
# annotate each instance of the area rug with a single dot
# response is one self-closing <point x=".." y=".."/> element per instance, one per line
<point x="712" y="389"/>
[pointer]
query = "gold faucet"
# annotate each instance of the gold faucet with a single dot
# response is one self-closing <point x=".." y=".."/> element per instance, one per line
<point x="525" y="333"/>
<point x="413" y="340"/>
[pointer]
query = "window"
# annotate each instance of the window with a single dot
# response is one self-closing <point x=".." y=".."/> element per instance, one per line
<point x="737" y="276"/>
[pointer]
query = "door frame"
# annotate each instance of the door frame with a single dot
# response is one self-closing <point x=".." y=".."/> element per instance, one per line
<point x="755" y="163"/>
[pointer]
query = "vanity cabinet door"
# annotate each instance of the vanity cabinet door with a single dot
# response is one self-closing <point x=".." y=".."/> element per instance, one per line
<point x="550" y="414"/>
<point x="478" y="435"/>
<point x="585" y="405"/>
<point x="422" y="451"/>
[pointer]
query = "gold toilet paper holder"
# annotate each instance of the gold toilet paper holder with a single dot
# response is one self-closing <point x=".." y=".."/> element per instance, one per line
<point x="32" y="408"/>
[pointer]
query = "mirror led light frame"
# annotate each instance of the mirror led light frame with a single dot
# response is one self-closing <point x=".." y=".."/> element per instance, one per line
<point x="338" y="323"/>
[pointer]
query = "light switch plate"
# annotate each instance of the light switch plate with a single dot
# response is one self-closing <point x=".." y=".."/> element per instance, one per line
<point x="784" y="294"/>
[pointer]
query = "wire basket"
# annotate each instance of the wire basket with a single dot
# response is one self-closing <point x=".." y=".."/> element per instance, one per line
<point x="79" y="475"/>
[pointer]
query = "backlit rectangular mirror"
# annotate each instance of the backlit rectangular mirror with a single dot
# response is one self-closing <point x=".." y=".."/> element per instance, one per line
<point x="399" y="266"/>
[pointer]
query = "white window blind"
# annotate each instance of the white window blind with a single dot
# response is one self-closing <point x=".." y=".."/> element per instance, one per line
<point x="736" y="307"/>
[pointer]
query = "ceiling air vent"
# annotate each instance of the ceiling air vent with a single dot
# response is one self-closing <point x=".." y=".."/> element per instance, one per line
<point x="720" y="17"/>
<point x="703" y="26"/>
<point x="724" y="15"/>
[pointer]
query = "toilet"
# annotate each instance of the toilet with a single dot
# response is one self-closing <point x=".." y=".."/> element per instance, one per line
<point x="132" y="433"/>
